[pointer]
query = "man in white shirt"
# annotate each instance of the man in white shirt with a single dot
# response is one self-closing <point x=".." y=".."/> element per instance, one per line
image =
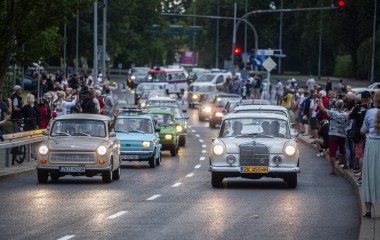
<point x="310" y="83"/>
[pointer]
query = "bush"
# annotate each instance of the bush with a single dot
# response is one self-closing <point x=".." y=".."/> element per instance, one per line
<point x="343" y="66"/>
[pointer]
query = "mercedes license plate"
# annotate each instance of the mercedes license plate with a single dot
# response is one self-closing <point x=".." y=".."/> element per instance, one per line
<point x="253" y="169"/>
<point x="72" y="169"/>
<point x="129" y="157"/>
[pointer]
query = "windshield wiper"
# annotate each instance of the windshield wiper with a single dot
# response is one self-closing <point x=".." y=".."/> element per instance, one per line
<point x="62" y="133"/>
<point x="82" y="133"/>
<point x="258" y="134"/>
<point x="138" y="131"/>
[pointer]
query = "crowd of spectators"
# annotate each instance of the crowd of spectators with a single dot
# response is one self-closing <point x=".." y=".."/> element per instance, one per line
<point x="57" y="96"/>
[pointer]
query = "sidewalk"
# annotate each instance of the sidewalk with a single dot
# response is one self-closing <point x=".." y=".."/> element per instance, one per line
<point x="369" y="228"/>
<point x="18" y="170"/>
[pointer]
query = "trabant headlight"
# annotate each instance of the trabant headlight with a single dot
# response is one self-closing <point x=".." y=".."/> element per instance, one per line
<point x="207" y="109"/>
<point x="179" y="128"/>
<point x="218" y="149"/>
<point x="168" y="137"/>
<point x="145" y="144"/>
<point x="133" y="77"/>
<point x="43" y="150"/>
<point x="195" y="97"/>
<point x="102" y="150"/>
<point x="142" y="104"/>
<point x="218" y="114"/>
<point x="290" y="150"/>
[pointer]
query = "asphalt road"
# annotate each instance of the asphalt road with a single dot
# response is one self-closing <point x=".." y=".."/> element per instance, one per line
<point x="176" y="201"/>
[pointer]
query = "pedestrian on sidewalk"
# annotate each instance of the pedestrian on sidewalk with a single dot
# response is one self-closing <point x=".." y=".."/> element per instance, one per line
<point x="371" y="158"/>
<point x="337" y="131"/>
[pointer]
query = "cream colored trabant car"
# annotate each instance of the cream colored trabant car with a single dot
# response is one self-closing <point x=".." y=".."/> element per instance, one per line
<point x="79" y="145"/>
<point x="254" y="145"/>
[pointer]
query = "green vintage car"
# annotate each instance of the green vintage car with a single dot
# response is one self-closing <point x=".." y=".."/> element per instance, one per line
<point x="169" y="137"/>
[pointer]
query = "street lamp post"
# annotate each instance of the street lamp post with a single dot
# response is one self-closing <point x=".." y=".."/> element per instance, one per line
<point x="77" y="43"/>
<point x="280" y="38"/>
<point x="373" y="43"/>
<point x="104" y="40"/>
<point x="217" y="39"/>
<point x="95" y="42"/>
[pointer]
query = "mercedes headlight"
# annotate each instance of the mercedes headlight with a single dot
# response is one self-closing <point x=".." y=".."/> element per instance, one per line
<point x="195" y="97"/>
<point x="102" y="150"/>
<point x="218" y="149"/>
<point x="168" y="137"/>
<point x="207" y="109"/>
<point x="142" y="104"/>
<point x="290" y="150"/>
<point x="145" y="144"/>
<point x="179" y="128"/>
<point x="133" y="77"/>
<point x="43" y="150"/>
<point x="218" y="114"/>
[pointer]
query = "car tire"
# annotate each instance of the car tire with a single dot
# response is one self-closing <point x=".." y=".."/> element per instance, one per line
<point x="291" y="180"/>
<point x="191" y="105"/>
<point x="216" y="180"/>
<point x="200" y="118"/>
<point x="182" y="141"/>
<point x="116" y="174"/>
<point x="158" y="160"/>
<point x="174" y="151"/>
<point x="42" y="176"/>
<point x="107" y="176"/>
<point x="54" y="177"/>
<point x="152" y="160"/>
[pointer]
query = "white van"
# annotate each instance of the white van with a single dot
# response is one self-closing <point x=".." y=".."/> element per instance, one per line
<point x="174" y="77"/>
<point x="219" y="79"/>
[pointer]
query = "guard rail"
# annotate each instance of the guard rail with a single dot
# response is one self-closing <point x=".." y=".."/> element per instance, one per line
<point x="22" y="138"/>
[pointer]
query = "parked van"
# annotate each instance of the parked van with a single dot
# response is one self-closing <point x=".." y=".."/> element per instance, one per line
<point x="174" y="77"/>
<point x="219" y="79"/>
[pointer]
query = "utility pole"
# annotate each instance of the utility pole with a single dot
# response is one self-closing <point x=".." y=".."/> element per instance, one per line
<point x="194" y="22"/>
<point x="64" y="49"/>
<point x="245" y="39"/>
<point x="104" y="41"/>
<point x="280" y="40"/>
<point x="320" y="43"/>
<point x="234" y="43"/>
<point x="95" y="42"/>
<point x="373" y="43"/>
<point x="77" y="43"/>
<point x="217" y="38"/>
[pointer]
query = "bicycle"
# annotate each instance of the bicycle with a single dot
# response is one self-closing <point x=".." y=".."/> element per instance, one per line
<point x="19" y="152"/>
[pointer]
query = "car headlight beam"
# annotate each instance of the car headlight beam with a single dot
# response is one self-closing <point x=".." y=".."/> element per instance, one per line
<point x="290" y="150"/>
<point x="43" y="150"/>
<point x="218" y="149"/>
<point x="207" y="109"/>
<point x="145" y="144"/>
<point x="102" y="150"/>
<point x="195" y="97"/>
<point x="168" y="137"/>
<point x="218" y="114"/>
<point x="179" y="128"/>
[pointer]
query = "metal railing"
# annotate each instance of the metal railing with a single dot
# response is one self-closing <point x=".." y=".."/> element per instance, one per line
<point x="22" y="138"/>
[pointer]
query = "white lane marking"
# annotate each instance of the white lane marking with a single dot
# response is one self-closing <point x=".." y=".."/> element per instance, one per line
<point x="153" y="197"/>
<point x="117" y="214"/>
<point x="204" y="151"/>
<point x="197" y="135"/>
<point x="176" y="184"/>
<point x="200" y="140"/>
<point x="204" y="146"/>
<point x="193" y="130"/>
<point x="188" y="126"/>
<point x="190" y="175"/>
<point x="202" y="158"/>
<point x="197" y="166"/>
<point x="66" y="237"/>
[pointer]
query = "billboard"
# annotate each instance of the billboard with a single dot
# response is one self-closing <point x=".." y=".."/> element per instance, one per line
<point x="185" y="58"/>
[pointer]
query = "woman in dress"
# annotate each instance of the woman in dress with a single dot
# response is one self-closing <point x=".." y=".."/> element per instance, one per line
<point x="371" y="158"/>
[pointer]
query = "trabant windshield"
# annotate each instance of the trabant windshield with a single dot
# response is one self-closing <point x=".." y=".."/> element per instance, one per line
<point x="255" y="128"/>
<point x="262" y="111"/>
<point x="164" y="103"/>
<point x="139" y="125"/>
<point x="78" y="127"/>
<point x="139" y="71"/>
<point x="222" y="101"/>
<point x="163" y="119"/>
<point x="157" y="77"/>
<point x="144" y="87"/>
<point x="175" y="110"/>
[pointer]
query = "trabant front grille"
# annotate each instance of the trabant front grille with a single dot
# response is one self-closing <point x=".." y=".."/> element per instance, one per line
<point x="70" y="158"/>
<point x="254" y="154"/>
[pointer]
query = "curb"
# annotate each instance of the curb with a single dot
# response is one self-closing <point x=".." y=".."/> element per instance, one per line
<point x="17" y="174"/>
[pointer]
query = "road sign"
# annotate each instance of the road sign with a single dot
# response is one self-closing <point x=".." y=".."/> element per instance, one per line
<point x="265" y="52"/>
<point x="269" y="64"/>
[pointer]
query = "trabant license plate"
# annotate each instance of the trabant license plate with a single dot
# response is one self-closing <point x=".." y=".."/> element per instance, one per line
<point x="129" y="157"/>
<point x="72" y="169"/>
<point x="254" y="169"/>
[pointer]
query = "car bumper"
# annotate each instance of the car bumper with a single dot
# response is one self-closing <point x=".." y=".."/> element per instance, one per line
<point x="141" y="155"/>
<point x="216" y="120"/>
<point x="271" y="170"/>
<point x="88" y="171"/>
<point x="167" y="146"/>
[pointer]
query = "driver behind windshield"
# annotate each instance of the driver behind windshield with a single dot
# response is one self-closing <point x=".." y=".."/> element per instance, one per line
<point x="266" y="128"/>
<point x="237" y="127"/>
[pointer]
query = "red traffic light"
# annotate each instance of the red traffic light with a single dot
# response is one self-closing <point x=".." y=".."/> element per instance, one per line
<point x="341" y="3"/>
<point x="237" y="51"/>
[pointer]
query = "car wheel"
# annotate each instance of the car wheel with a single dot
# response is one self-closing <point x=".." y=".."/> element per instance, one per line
<point x="42" y="176"/>
<point x="291" y="180"/>
<point x="200" y="118"/>
<point x="174" y="151"/>
<point x="158" y="160"/>
<point x="182" y="141"/>
<point x="107" y="176"/>
<point x="116" y="174"/>
<point x="216" y="180"/>
<point x="152" y="160"/>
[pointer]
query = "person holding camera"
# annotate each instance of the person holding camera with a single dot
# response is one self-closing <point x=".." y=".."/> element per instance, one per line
<point x="62" y="106"/>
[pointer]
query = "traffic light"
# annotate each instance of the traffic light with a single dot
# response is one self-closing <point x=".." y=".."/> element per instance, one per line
<point x="237" y="56"/>
<point x="340" y="5"/>
<point x="237" y="51"/>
